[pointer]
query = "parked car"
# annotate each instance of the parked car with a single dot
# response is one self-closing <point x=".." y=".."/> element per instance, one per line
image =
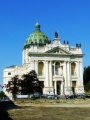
<point x="81" y="95"/>
<point x="44" y="96"/>
<point x="69" y="96"/>
<point x="35" y="95"/>
<point x="52" y="97"/>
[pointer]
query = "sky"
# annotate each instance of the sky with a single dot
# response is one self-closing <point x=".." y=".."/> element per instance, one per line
<point x="70" y="18"/>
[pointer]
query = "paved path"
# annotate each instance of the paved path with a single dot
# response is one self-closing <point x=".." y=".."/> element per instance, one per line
<point x="56" y="105"/>
<point x="67" y="105"/>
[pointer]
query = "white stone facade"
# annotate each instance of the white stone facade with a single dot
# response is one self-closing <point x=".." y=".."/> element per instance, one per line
<point x="58" y="66"/>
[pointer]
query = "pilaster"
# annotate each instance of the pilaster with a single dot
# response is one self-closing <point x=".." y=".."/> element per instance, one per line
<point x="81" y="74"/>
<point x="68" y="74"/>
<point x="67" y="88"/>
<point x="78" y="74"/>
<point x="55" y="87"/>
<point x="79" y="87"/>
<point x="62" y="87"/>
<point x="65" y="73"/>
<point x="26" y="56"/>
<point x="32" y="65"/>
<point x="36" y="66"/>
<point x="50" y="74"/>
<point x="46" y="74"/>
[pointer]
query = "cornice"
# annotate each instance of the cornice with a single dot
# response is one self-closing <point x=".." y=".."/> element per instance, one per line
<point x="54" y="54"/>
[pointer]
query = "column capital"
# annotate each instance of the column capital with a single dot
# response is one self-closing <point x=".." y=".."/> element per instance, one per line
<point x="50" y="62"/>
<point x="36" y="60"/>
<point x="46" y="60"/>
<point x="68" y="61"/>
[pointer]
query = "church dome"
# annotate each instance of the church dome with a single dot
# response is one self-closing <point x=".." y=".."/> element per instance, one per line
<point x="36" y="38"/>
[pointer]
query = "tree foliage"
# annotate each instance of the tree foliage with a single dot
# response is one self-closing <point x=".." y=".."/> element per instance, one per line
<point x="87" y="87"/>
<point x="86" y="75"/>
<point x="30" y="83"/>
<point x="86" y="78"/>
<point x="27" y="85"/>
<point x="13" y="86"/>
<point x="2" y="95"/>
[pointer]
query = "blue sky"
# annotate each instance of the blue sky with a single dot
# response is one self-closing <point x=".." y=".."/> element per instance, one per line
<point x="70" y="18"/>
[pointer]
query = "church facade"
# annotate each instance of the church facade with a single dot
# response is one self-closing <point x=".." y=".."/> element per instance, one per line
<point x="59" y="66"/>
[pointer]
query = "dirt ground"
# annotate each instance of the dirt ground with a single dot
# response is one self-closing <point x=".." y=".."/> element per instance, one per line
<point x="49" y="113"/>
<point x="51" y="110"/>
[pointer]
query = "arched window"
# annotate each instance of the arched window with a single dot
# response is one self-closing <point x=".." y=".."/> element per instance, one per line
<point x="40" y="68"/>
<point x="73" y="65"/>
<point x="57" y="68"/>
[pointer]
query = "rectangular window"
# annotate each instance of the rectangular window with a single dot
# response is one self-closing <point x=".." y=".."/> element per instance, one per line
<point x="9" y="73"/>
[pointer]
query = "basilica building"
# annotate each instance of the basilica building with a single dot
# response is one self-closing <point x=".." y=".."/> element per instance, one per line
<point x="59" y="67"/>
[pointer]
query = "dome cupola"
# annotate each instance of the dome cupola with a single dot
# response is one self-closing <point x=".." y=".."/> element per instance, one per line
<point x="36" y="38"/>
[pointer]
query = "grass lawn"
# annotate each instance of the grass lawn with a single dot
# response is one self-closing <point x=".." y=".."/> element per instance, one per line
<point x="49" y="113"/>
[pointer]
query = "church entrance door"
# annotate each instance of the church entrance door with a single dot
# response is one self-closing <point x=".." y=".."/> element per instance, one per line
<point x="73" y="86"/>
<point x="41" y="83"/>
<point x="58" y="87"/>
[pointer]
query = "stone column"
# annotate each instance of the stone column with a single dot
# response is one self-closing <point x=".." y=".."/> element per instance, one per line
<point x="81" y="73"/>
<point x="46" y="74"/>
<point x="65" y="73"/>
<point x="62" y="87"/>
<point x="68" y="74"/>
<point x="80" y="87"/>
<point x="55" y="86"/>
<point x="67" y="77"/>
<point x="36" y="66"/>
<point x="76" y="69"/>
<point x="50" y="74"/>
<point x="23" y="56"/>
<point x="32" y="65"/>
<point x="46" y="82"/>
<point x="44" y="70"/>
<point x="51" y="78"/>
<point x="26" y="54"/>
<point x="78" y="74"/>
<point x="54" y="68"/>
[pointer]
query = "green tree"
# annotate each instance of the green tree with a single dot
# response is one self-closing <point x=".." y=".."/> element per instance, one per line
<point x="30" y="83"/>
<point x="87" y="87"/>
<point x="27" y="85"/>
<point x="86" y="75"/>
<point x="86" y="78"/>
<point x="13" y="86"/>
<point x="2" y="95"/>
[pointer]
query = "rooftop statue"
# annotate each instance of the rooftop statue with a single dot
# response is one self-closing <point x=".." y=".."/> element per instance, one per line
<point x="56" y="35"/>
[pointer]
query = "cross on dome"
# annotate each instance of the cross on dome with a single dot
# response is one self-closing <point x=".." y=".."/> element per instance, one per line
<point x="37" y="26"/>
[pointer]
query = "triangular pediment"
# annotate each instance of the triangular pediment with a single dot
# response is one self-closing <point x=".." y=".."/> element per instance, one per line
<point x="59" y="50"/>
